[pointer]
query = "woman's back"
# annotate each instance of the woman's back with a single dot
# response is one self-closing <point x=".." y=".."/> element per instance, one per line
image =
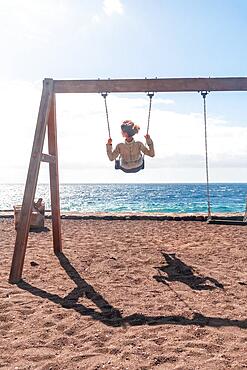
<point x="130" y="153"/>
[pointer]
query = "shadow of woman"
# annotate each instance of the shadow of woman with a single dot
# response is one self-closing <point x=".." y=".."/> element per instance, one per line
<point x="177" y="270"/>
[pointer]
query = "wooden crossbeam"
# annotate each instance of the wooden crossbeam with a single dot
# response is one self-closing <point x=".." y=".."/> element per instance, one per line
<point x="155" y="84"/>
<point x="48" y="158"/>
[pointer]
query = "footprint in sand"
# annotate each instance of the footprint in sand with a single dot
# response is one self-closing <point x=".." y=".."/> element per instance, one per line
<point x="59" y="316"/>
<point x="49" y="324"/>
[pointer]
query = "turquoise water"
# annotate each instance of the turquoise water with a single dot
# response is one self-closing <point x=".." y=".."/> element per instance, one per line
<point x="165" y="198"/>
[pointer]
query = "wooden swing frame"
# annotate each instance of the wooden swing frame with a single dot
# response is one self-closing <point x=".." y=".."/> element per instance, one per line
<point x="47" y="118"/>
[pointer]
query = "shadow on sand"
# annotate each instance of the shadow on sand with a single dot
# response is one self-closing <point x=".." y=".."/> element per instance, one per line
<point x="177" y="270"/>
<point x="111" y="316"/>
<point x="38" y="230"/>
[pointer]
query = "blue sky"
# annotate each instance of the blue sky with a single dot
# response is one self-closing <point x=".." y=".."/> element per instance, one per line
<point x="65" y="39"/>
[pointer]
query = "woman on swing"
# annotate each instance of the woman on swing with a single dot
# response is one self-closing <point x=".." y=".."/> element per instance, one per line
<point x="130" y="151"/>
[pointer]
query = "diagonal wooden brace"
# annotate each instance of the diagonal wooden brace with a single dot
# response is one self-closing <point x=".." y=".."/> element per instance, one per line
<point x="31" y="183"/>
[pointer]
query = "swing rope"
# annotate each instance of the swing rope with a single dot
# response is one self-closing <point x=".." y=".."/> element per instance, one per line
<point x="150" y="95"/>
<point x="204" y="94"/>
<point x="107" y="115"/>
<point x="245" y="214"/>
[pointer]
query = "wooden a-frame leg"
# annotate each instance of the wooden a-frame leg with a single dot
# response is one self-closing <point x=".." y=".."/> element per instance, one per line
<point x="54" y="179"/>
<point x="31" y="183"/>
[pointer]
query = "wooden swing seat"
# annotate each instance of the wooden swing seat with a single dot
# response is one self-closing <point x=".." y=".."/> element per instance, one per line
<point x="227" y="221"/>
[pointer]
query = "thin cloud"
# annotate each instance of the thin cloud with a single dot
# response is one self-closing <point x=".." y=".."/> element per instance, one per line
<point x="113" y="6"/>
<point x="96" y="18"/>
<point x="163" y="101"/>
<point x="31" y="20"/>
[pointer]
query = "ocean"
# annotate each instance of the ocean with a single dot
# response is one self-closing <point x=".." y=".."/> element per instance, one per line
<point x="163" y="198"/>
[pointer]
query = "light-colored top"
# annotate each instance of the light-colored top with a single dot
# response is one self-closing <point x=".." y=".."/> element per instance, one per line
<point x="130" y="152"/>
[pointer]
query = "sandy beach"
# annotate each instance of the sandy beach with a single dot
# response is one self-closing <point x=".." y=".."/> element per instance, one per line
<point x="133" y="294"/>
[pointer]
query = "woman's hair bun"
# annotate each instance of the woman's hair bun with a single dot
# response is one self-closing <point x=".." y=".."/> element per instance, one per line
<point x="129" y="127"/>
<point x="136" y="128"/>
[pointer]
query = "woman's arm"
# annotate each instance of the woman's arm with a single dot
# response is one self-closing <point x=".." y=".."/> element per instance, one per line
<point x="112" y="154"/>
<point x="150" y="150"/>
